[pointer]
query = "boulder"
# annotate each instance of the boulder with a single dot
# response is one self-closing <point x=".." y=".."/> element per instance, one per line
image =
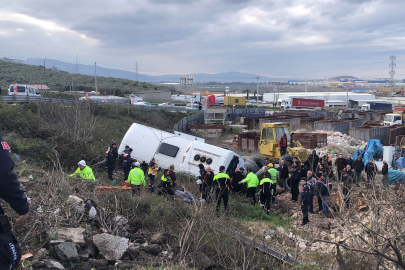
<point x="153" y="249"/>
<point x="98" y="263"/>
<point x="68" y="234"/>
<point x="111" y="247"/>
<point x="160" y="238"/>
<point x="133" y="253"/>
<point x="40" y="255"/>
<point x="67" y="252"/>
<point x="202" y="261"/>
<point x="53" y="265"/>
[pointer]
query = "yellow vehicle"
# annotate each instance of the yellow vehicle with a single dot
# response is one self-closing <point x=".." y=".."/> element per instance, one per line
<point x="237" y="101"/>
<point x="271" y="133"/>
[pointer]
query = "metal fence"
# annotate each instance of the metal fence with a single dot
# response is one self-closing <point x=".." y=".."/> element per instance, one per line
<point x="194" y="119"/>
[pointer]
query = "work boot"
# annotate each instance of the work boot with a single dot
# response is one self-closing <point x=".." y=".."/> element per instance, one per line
<point x="268" y="212"/>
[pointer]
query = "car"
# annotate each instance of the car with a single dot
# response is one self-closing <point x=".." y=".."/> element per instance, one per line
<point x="265" y="102"/>
<point x="166" y="104"/>
<point x="144" y="104"/>
<point x="249" y="103"/>
<point x="23" y="90"/>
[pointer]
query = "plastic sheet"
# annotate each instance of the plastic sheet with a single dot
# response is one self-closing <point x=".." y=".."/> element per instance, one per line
<point x="395" y="176"/>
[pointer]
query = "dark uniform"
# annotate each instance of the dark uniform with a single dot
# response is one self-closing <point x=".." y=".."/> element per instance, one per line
<point x="223" y="182"/>
<point x="110" y="160"/>
<point x="295" y="181"/>
<point x="305" y="203"/>
<point x="267" y="188"/>
<point x="126" y="163"/>
<point x="10" y="191"/>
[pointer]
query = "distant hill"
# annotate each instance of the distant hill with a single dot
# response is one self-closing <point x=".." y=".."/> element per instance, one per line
<point x="223" y="77"/>
<point x="61" y="80"/>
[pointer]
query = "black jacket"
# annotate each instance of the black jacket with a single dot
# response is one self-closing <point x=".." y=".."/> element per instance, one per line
<point x="340" y="163"/>
<point x="303" y="172"/>
<point x="350" y="162"/>
<point x="358" y="165"/>
<point x="10" y="190"/>
<point x="284" y="171"/>
<point x="313" y="160"/>
<point x="384" y="170"/>
<point x="209" y="178"/>
<point x="371" y="168"/>
<point x="110" y="159"/>
<point x="295" y="178"/>
<point x="325" y="187"/>
<point x="115" y="152"/>
<point x="305" y="198"/>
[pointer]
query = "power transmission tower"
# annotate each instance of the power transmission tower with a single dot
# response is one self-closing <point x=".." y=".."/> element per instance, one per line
<point x="392" y="73"/>
<point x="136" y="70"/>
<point x="257" y="91"/>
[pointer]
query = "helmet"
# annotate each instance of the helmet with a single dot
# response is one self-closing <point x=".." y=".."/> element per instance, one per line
<point x="270" y="165"/>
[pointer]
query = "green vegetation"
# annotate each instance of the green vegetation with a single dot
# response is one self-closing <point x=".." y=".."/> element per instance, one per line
<point x="61" y="80"/>
<point x="80" y="131"/>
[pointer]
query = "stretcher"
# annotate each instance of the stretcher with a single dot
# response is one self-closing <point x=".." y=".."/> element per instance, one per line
<point x="125" y="187"/>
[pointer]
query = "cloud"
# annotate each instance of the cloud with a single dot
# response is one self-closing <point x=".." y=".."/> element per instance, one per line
<point x="183" y="36"/>
<point x="19" y="30"/>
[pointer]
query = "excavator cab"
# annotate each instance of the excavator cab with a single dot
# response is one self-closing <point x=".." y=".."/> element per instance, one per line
<point x="271" y="134"/>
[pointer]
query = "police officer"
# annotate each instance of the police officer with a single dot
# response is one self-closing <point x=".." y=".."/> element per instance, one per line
<point x="136" y="178"/>
<point x="10" y="191"/>
<point x="222" y="181"/>
<point x="126" y="162"/>
<point x="305" y="201"/>
<point x="252" y="183"/>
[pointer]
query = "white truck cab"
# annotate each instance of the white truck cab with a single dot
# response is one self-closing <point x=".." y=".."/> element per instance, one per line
<point x="286" y="103"/>
<point x="23" y="90"/>
<point x="184" y="153"/>
<point x="391" y="119"/>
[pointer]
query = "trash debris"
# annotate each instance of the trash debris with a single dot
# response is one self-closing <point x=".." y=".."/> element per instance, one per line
<point x="26" y="256"/>
<point x="92" y="212"/>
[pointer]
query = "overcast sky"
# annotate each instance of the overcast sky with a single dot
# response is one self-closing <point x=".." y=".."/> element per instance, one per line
<point x="283" y="38"/>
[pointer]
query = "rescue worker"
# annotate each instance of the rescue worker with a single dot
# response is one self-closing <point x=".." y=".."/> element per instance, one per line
<point x="222" y="181"/>
<point x="273" y="179"/>
<point x="384" y="172"/>
<point x="84" y="172"/>
<point x="265" y="193"/>
<point x="305" y="201"/>
<point x="110" y="160"/>
<point x="295" y="181"/>
<point x="371" y="170"/>
<point x="201" y="177"/>
<point x="115" y="152"/>
<point x="136" y="179"/>
<point x="283" y="143"/>
<point x="340" y="164"/>
<point x="152" y="173"/>
<point x="10" y="191"/>
<point x="237" y="177"/>
<point x="252" y="183"/>
<point x="167" y="183"/>
<point x="126" y="162"/>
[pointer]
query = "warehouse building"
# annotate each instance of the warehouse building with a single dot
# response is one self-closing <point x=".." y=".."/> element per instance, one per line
<point x="155" y="95"/>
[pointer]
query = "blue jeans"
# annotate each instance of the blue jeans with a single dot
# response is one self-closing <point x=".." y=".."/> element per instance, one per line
<point x="357" y="179"/>
<point x="325" y="207"/>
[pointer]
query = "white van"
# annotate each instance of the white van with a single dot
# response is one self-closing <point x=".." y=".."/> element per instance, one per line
<point x="184" y="153"/>
<point x="23" y="90"/>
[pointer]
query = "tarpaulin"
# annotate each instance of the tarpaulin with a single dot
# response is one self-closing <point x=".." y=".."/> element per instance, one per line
<point x="374" y="148"/>
<point x="400" y="163"/>
<point x="395" y="176"/>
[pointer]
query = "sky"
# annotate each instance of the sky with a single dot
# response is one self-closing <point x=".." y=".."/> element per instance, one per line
<point x="275" y="38"/>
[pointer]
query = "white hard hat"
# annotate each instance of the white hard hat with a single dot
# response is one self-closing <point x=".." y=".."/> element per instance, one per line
<point x="82" y="162"/>
<point x="137" y="164"/>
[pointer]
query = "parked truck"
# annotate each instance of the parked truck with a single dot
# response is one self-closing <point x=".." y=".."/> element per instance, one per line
<point x="378" y="106"/>
<point x="184" y="153"/>
<point x="302" y="103"/>
<point x="396" y="118"/>
<point x="237" y="101"/>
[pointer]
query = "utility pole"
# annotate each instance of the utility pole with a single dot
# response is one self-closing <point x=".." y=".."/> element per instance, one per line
<point x="95" y="76"/>
<point x="257" y="91"/>
<point x="43" y="74"/>
<point x="136" y="70"/>
<point x="392" y="74"/>
<point x="29" y="74"/>
<point x="347" y="97"/>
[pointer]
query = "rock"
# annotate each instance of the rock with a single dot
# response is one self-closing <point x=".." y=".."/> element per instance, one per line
<point x="67" y="252"/>
<point x="202" y="261"/>
<point x="160" y="238"/>
<point x="74" y="200"/>
<point x="282" y="231"/>
<point x="110" y="246"/>
<point x="121" y="220"/>
<point x="72" y="234"/>
<point x="270" y="232"/>
<point x="153" y="249"/>
<point x="38" y="264"/>
<point x="53" y="265"/>
<point x="40" y="254"/>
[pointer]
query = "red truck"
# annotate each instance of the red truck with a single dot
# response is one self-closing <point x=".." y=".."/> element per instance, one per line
<point x="302" y="102"/>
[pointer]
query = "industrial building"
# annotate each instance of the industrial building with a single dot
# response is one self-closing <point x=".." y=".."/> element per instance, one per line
<point x="331" y="98"/>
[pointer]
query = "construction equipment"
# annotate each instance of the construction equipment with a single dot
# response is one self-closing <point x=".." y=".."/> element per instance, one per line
<point x="271" y="133"/>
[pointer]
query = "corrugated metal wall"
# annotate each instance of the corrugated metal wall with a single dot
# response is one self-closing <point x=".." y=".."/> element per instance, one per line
<point x="194" y="119"/>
